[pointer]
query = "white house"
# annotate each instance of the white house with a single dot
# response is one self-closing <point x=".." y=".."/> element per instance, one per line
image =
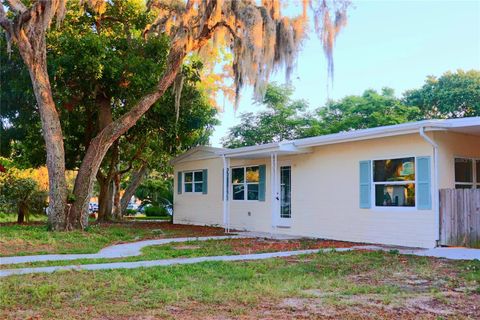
<point x="375" y="185"/>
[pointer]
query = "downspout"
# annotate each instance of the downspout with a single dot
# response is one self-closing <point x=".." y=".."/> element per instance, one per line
<point x="436" y="200"/>
<point x="225" y="195"/>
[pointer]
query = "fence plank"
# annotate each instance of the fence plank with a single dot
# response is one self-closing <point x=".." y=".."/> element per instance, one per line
<point x="460" y="217"/>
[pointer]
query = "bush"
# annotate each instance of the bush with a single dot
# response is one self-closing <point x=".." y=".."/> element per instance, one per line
<point x="131" y="212"/>
<point x="21" y="193"/>
<point x="155" y="211"/>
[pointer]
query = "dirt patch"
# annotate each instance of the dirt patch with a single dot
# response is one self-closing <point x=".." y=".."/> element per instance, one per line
<point x="347" y="307"/>
<point x="247" y="246"/>
<point x="12" y="246"/>
<point x="170" y="229"/>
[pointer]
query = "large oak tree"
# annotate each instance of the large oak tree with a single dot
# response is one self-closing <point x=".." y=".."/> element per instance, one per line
<point x="260" y="37"/>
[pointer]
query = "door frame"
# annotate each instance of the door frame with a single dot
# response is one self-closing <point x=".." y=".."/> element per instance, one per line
<point x="283" y="222"/>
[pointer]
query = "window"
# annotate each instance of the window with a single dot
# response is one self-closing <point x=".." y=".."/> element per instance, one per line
<point x="193" y="182"/>
<point x="394" y="182"/>
<point x="245" y="182"/>
<point x="467" y="173"/>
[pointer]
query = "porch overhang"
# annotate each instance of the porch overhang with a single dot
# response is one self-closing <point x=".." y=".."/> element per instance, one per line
<point x="284" y="148"/>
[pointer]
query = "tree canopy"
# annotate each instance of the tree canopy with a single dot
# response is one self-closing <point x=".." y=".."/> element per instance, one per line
<point x="452" y="95"/>
<point x="283" y="119"/>
<point x="260" y="37"/>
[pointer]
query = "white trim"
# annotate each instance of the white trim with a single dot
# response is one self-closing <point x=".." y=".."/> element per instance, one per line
<point x="304" y="145"/>
<point x="435" y="190"/>
<point x="244" y="183"/>
<point x="273" y="191"/>
<point x="475" y="184"/>
<point x="282" y="221"/>
<point x="374" y="183"/>
<point x="193" y="192"/>
<point x="192" y="154"/>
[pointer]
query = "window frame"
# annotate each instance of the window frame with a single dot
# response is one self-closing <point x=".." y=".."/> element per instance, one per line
<point x="244" y="183"/>
<point x="474" y="184"/>
<point x="374" y="183"/>
<point x="184" y="182"/>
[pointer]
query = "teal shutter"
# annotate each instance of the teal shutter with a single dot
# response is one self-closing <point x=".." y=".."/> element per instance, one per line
<point x="262" y="169"/>
<point x="205" y="181"/>
<point x="179" y="182"/>
<point x="424" y="194"/>
<point x="365" y="184"/>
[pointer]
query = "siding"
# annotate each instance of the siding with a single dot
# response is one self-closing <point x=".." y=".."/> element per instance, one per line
<point x="453" y="145"/>
<point x="325" y="193"/>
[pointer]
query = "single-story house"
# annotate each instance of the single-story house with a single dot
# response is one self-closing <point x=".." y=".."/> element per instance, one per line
<point x="376" y="185"/>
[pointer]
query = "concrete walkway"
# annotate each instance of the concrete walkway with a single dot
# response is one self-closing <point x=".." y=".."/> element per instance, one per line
<point x="134" y="249"/>
<point x="123" y="250"/>
<point x="456" y="253"/>
<point x="164" y="262"/>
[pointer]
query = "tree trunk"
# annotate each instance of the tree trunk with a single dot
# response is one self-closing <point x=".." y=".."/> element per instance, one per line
<point x="117" y="211"/>
<point x="137" y="179"/>
<point x="105" y="138"/>
<point x="105" y="181"/>
<point x="105" y="199"/>
<point x="36" y="63"/>
<point x="22" y="212"/>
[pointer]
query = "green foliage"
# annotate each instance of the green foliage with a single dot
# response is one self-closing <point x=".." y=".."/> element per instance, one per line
<point x="21" y="194"/>
<point x="131" y="212"/>
<point x="452" y="95"/>
<point x="372" y="109"/>
<point x="284" y="119"/>
<point x="155" y="211"/>
<point x="156" y="191"/>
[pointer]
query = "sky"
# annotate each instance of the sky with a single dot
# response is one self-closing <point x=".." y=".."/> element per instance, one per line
<point x="386" y="43"/>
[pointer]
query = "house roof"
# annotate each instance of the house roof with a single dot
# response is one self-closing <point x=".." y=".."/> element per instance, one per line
<point x="470" y="125"/>
<point x="197" y="153"/>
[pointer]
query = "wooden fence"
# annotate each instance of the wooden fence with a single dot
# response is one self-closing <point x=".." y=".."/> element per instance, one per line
<point x="460" y="217"/>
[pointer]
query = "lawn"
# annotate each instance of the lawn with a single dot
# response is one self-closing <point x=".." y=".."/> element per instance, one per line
<point x="34" y="238"/>
<point x="327" y="285"/>
<point x="202" y="249"/>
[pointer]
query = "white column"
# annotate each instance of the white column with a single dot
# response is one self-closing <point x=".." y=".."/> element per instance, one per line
<point x="273" y="189"/>
<point x="225" y="194"/>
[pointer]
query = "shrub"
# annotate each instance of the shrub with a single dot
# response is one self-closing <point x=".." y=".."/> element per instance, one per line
<point x="131" y="212"/>
<point x="21" y="193"/>
<point x="155" y="211"/>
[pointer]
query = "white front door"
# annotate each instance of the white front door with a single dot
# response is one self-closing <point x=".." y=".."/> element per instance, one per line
<point x="285" y="195"/>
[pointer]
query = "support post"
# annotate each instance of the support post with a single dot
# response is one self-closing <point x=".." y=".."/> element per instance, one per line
<point x="273" y="189"/>
<point x="435" y="184"/>
<point x="226" y="218"/>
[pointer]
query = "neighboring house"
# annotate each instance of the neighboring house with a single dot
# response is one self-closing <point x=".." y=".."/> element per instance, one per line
<point x="375" y="185"/>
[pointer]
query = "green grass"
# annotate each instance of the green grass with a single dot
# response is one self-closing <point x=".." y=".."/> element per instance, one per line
<point x="36" y="239"/>
<point x="175" y="250"/>
<point x="228" y="288"/>
<point x="9" y="217"/>
<point x="188" y="249"/>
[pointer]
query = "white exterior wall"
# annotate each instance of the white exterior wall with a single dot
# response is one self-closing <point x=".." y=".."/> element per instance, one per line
<point x="451" y="146"/>
<point x="197" y="208"/>
<point x="325" y="196"/>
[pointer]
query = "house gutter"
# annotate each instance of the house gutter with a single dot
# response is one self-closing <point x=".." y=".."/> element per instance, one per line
<point x="226" y="218"/>
<point x="436" y="200"/>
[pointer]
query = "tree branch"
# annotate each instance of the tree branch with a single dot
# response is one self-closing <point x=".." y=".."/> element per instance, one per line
<point x="136" y="156"/>
<point x="4" y="22"/>
<point x="17" y="6"/>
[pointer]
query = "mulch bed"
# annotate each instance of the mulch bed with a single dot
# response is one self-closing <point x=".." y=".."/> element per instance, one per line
<point x="247" y="246"/>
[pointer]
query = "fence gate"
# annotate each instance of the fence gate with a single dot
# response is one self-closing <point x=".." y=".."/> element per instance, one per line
<point x="460" y="217"/>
